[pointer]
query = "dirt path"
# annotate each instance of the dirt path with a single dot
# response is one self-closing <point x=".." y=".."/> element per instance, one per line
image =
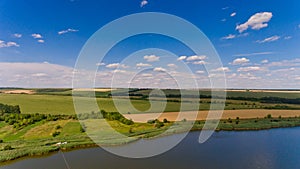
<point x="242" y="114"/>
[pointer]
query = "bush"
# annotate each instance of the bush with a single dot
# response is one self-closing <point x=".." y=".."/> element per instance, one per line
<point x="165" y="121"/>
<point x="58" y="127"/>
<point x="56" y="133"/>
<point x="7" y="147"/>
<point x="269" y="116"/>
<point x="1" y="141"/>
<point x="82" y="129"/>
<point x="151" y="121"/>
<point x="159" y="124"/>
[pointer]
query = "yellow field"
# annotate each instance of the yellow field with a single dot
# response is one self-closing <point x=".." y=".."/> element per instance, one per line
<point x="242" y="114"/>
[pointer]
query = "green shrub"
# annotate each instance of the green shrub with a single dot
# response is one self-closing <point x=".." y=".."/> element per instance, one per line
<point x="7" y="147"/>
<point x="58" y="127"/>
<point x="56" y="133"/>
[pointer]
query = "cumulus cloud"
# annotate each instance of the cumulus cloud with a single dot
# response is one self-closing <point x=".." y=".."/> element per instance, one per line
<point x="151" y="58"/>
<point x="67" y="31"/>
<point x="17" y="35"/>
<point x="4" y="44"/>
<point x="287" y="37"/>
<point x="143" y="65"/>
<point x="36" y="36"/>
<point x="201" y="62"/>
<point x="233" y="14"/>
<point x="171" y="65"/>
<point x="41" y="41"/>
<point x="116" y="65"/>
<point x="240" y="61"/>
<point x="264" y="61"/>
<point x="256" y="22"/>
<point x="143" y="3"/>
<point x="196" y="57"/>
<point x="249" y="69"/>
<point x="269" y="39"/>
<point x="182" y="58"/>
<point x="159" y="69"/>
<point x="221" y="69"/>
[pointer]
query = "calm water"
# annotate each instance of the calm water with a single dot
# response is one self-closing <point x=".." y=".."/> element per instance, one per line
<point x="275" y="149"/>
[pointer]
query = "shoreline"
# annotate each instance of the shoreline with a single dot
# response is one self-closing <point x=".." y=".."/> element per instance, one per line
<point x="196" y="127"/>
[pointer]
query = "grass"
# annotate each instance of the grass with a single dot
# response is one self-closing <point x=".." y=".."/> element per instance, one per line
<point x="52" y="104"/>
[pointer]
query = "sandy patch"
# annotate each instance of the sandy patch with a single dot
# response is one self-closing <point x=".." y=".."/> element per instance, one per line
<point x="242" y="114"/>
<point x="18" y="91"/>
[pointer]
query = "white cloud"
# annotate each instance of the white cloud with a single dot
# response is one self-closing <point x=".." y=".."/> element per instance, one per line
<point x="223" y="20"/>
<point x="240" y="61"/>
<point x="269" y="39"/>
<point x="17" y="35"/>
<point x="201" y="62"/>
<point x="250" y="68"/>
<point x="233" y="14"/>
<point x="116" y="65"/>
<point x="36" y="36"/>
<point x="171" y="65"/>
<point x="196" y="57"/>
<point x="230" y="36"/>
<point x="254" y="54"/>
<point x="39" y="75"/>
<point x="181" y="58"/>
<point x="256" y="22"/>
<point x="151" y="58"/>
<point x="224" y="8"/>
<point x="67" y="31"/>
<point x="100" y="64"/>
<point x="35" y="75"/>
<point x="159" y="69"/>
<point x="287" y="37"/>
<point x="4" y="44"/>
<point x="143" y="65"/>
<point x="221" y="69"/>
<point x="41" y="41"/>
<point x="265" y="61"/>
<point x="143" y="3"/>
<point x="119" y="71"/>
<point x="200" y="71"/>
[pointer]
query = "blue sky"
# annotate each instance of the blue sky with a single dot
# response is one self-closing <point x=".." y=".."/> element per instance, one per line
<point x="257" y="41"/>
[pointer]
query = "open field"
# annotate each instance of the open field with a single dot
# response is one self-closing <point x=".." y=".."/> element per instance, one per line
<point x="242" y="114"/>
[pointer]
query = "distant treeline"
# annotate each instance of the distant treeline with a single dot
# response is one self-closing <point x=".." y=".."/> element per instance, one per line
<point x="274" y="100"/>
<point x="4" y="108"/>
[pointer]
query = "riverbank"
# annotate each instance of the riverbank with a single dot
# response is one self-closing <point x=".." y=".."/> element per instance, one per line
<point x="41" y="147"/>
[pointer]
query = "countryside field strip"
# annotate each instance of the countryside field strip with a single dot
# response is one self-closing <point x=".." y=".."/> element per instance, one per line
<point x="188" y="115"/>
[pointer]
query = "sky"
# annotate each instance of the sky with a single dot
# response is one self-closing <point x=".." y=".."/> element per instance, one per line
<point x="257" y="42"/>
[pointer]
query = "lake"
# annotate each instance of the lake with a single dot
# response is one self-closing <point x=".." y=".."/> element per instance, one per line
<point x="266" y="149"/>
